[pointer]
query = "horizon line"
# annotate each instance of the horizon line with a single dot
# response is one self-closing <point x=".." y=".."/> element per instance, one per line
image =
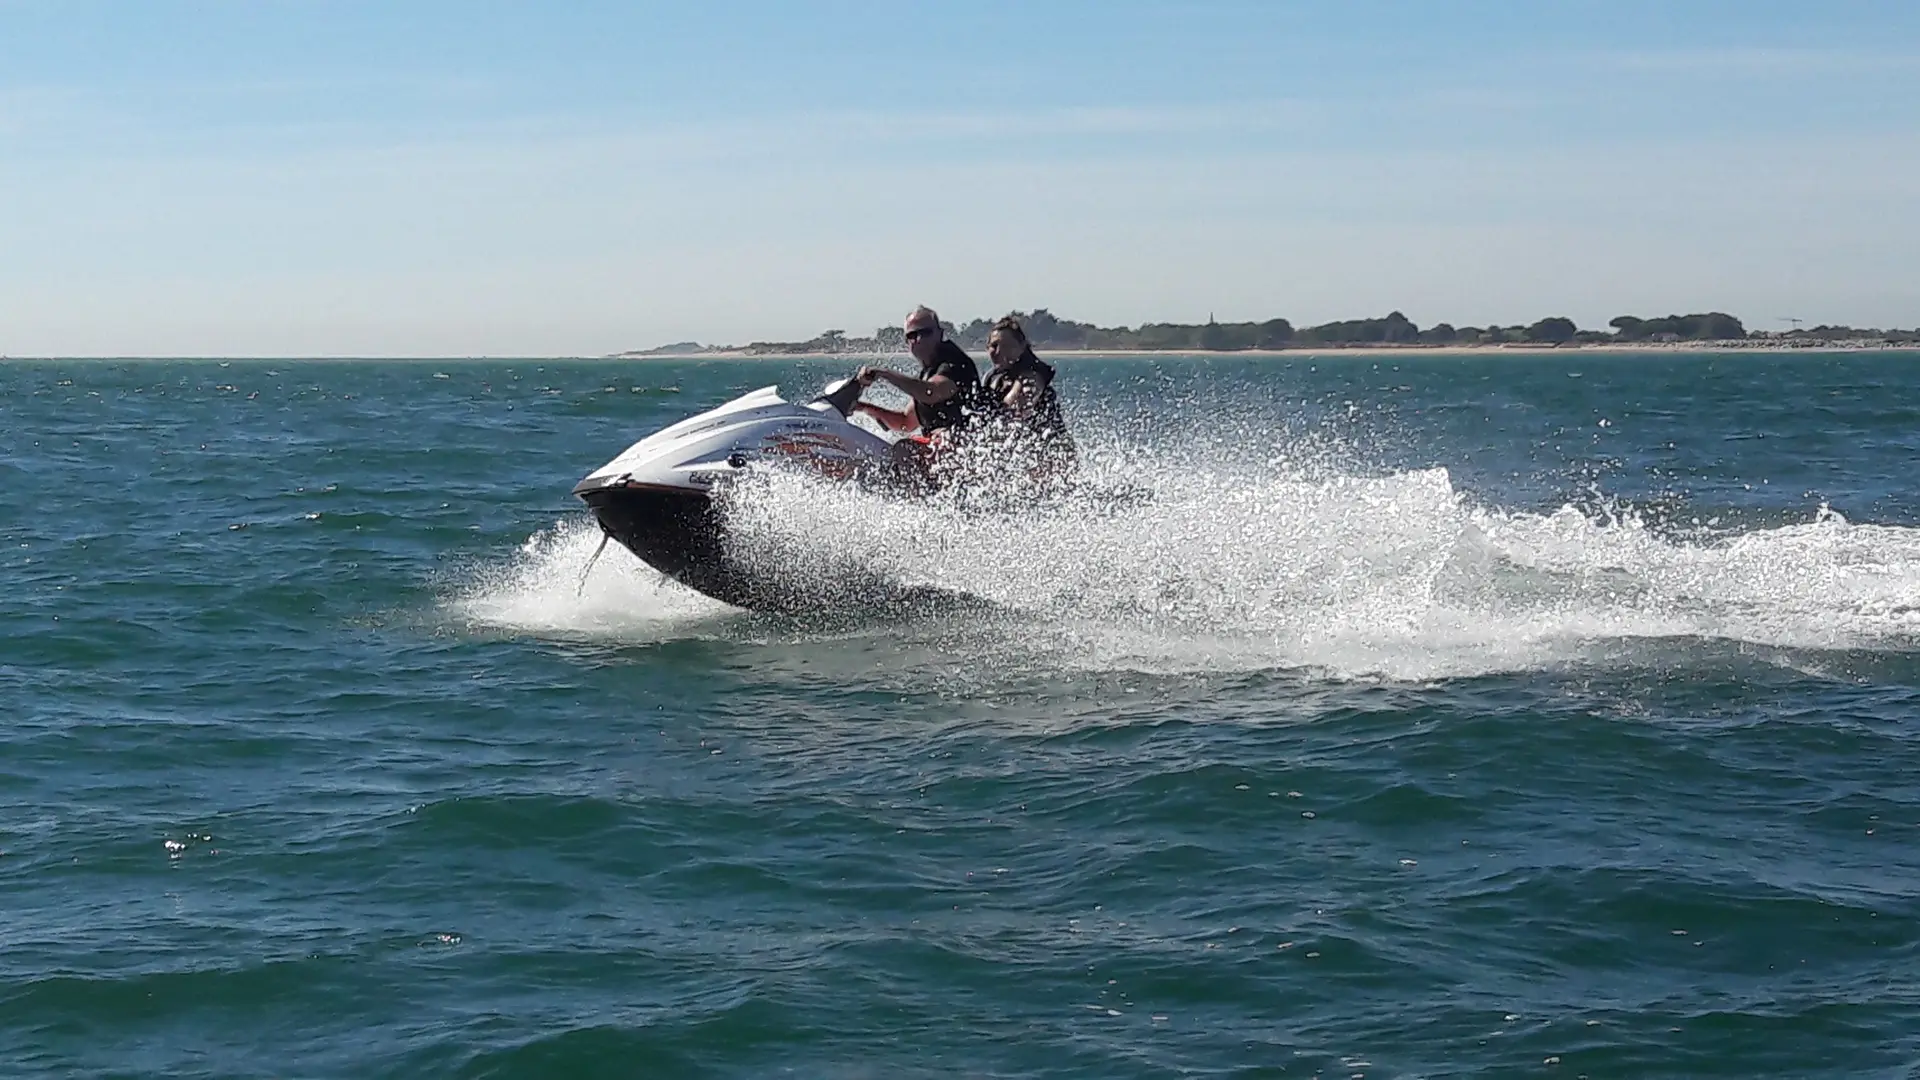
<point x="740" y="352"/>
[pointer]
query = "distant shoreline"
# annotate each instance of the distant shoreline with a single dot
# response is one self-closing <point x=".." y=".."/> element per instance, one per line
<point x="1050" y="333"/>
<point x="1615" y="348"/>
<point x="1772" y="347"/>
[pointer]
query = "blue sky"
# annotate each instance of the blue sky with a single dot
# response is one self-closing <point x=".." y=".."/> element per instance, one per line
<point x="324" y="177"/>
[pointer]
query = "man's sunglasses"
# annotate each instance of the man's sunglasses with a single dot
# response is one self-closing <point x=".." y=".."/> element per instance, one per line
<point x="916" y="335"/>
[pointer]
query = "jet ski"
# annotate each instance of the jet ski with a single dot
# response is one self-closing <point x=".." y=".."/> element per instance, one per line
<point x="662" y="498"/>
<point x="665" y="498"/>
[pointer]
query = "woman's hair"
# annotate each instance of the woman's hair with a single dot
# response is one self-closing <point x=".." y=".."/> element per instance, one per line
<point x="1011" y="325"/>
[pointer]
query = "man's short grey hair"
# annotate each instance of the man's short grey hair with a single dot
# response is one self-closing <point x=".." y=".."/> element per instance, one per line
<point x="926" y="313"/>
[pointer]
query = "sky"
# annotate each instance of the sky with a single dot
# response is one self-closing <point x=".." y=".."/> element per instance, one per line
<point x="485" y="178"/>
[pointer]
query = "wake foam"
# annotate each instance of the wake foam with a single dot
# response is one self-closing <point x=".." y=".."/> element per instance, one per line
<point x="1397" y="576"/>
<point x="548" y="587"/>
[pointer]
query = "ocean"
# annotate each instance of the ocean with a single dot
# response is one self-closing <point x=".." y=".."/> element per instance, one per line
<point x="1435" y="716"/>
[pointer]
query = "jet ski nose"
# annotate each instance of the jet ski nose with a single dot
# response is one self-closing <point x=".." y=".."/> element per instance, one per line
<point x="660" y="497"/>
<point x="597" y="483"/>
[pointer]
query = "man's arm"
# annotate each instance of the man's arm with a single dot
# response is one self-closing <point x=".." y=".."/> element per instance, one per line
<point x="889" y="419"/>
<point x="934" y="391"/>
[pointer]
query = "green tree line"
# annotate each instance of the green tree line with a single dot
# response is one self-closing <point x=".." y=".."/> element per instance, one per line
<point x="1046" y="329"/>
<point x="1049" y="331"/>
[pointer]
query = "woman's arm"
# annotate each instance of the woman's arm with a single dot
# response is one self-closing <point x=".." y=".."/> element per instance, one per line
<point x="1024" y="394"/>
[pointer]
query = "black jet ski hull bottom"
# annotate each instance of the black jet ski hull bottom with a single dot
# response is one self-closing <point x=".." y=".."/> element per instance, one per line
<point x="683" y="535"/>
<point x="677" y="532"/>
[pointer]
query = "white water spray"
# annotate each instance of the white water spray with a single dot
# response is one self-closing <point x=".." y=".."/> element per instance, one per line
<point x="549" y="588"/>
<point x="1396" y="576"/>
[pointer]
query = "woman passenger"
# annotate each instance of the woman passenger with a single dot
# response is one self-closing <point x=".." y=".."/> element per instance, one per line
<point x="1020" y="403"/>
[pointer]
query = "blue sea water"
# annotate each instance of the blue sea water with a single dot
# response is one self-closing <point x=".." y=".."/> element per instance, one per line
<point x="1502" y="715"/>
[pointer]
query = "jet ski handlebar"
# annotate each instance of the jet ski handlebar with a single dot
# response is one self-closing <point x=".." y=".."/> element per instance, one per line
<point x="842" y="396"/>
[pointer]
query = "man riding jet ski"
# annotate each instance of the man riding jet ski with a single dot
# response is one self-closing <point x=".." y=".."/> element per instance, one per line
<point x="944" y="396"/>
<point x="663" y="497"/>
